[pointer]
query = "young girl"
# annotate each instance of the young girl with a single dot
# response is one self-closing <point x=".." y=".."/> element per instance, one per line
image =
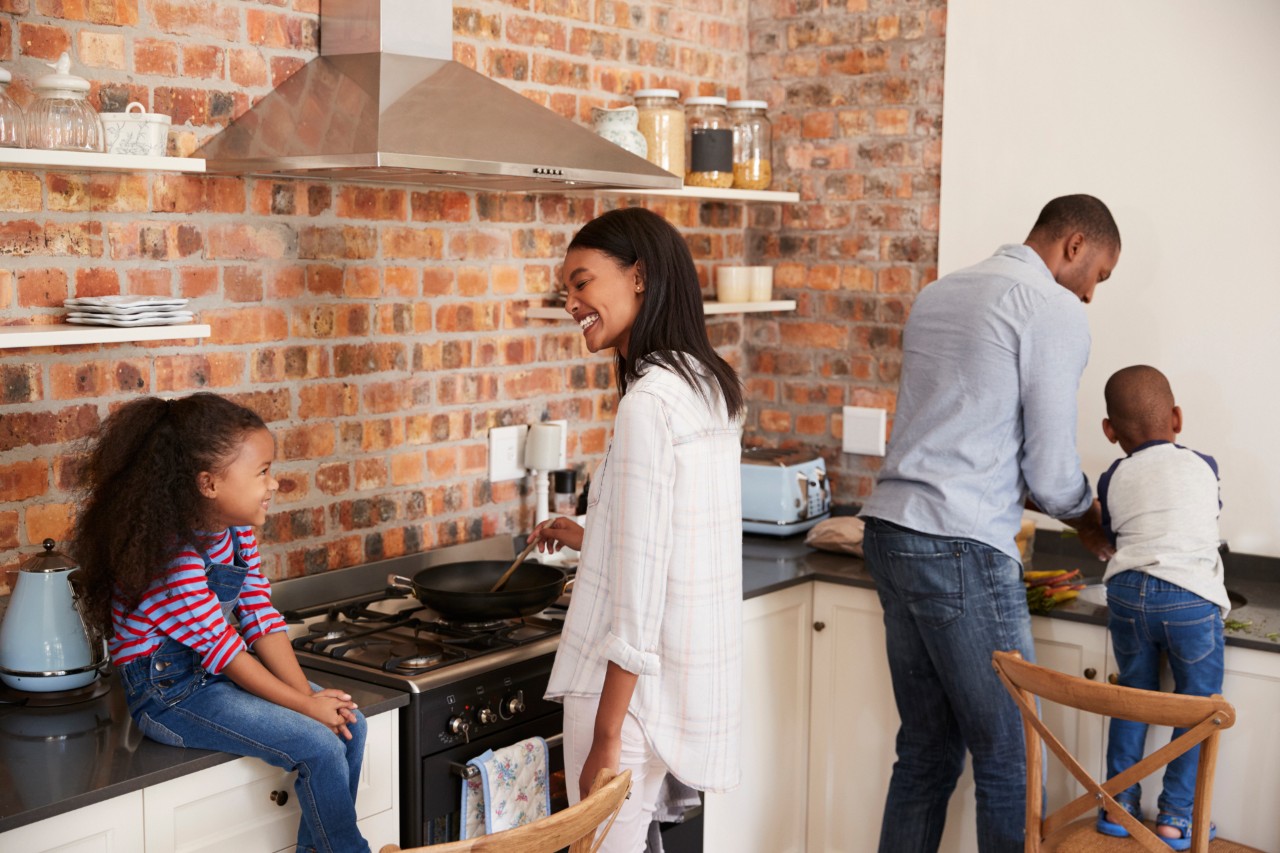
<point x="168" y="556"/>
<point x="649" y="664"/>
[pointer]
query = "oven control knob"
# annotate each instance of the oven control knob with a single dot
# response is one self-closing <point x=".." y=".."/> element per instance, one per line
<point x="514" y="704"/>
<point x="486" y="716"/>
<point x="460" y="725"/>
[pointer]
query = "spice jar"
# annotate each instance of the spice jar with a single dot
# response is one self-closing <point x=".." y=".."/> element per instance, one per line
<point x="61" y="118"/>
<point x="13" y="128"/>
<point x="710" y="143"/>
<point x="752" y="145"/>
<point x="662" y="126"/>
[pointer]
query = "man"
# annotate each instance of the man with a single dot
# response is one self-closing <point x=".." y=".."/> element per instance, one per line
<point x="985" y="426"/>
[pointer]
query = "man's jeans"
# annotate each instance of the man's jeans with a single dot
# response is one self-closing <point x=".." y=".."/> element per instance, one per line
<point x="220" y="715"/>
<point x="948" y="604"/>
<point x="1148" y="617"/>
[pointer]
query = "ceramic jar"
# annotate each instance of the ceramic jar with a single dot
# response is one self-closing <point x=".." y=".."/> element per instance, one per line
<point x="621" y="127"/>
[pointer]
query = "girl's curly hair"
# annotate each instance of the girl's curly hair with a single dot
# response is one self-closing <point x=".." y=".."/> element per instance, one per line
<point x="141" y="502"/>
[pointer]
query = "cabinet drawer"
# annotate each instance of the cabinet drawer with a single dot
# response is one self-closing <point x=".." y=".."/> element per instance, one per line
<point x="112" y="826"/>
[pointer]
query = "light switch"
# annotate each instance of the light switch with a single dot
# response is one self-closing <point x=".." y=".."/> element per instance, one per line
<point x="506" y="453"/>
<point x="864" y="430"/>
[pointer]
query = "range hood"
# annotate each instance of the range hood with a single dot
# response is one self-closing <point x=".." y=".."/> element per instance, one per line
<point x="385" y="103"/>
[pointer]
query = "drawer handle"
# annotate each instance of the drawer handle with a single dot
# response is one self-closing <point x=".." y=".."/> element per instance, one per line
<point x="1114" y="678"/>
<point x="818" y="626"/>
<point x="1091" y="673"/>
<point x="279" y="797"/>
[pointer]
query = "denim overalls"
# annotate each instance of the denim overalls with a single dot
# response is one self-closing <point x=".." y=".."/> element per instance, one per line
<point x="175" y="701"/>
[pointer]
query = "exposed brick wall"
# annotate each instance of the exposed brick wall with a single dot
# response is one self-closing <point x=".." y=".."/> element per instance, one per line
<point x="859" y="134"/>
<point x="380" y="330"/>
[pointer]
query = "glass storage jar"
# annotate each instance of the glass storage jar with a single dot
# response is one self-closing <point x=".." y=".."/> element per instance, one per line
<point x="662" y="126"/>
<point x="710" y="143"/>
<point x="13" y="128"/>
<point x="752" y="145"/>
<point x="61" y="117"/>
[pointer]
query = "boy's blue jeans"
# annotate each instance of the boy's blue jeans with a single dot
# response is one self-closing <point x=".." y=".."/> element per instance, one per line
<point x="1148" y="617"/>
<point x="948" y="604"/>
<point x="216" y="714"/>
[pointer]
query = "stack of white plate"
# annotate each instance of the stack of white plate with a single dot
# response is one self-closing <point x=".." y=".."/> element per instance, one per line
<point x="127" y="311"/>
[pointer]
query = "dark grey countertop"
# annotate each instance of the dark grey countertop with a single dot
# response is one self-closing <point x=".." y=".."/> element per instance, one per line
<point x="55" y="760"/>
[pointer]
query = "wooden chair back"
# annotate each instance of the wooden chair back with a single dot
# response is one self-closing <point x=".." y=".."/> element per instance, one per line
<point x="574" y="827"/>
<point x="1202" y="717"/>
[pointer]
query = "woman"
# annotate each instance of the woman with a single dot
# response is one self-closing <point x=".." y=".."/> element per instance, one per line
<point x="649" y="665"/>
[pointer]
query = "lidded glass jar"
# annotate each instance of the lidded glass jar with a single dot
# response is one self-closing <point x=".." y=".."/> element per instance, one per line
<point x="662" y="126"/>
<point x="752" y="145"/>
<point x="710" y="143"/>
<point x="61" y="118"/>
<point x="13" y="128"/>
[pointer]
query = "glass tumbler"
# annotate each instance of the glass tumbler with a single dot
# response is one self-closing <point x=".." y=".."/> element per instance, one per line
<point x="13" y="127"/>
<point x="61" y="118"/>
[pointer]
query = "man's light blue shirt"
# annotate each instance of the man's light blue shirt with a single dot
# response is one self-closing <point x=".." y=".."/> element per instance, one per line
<point x="986" y="413"/>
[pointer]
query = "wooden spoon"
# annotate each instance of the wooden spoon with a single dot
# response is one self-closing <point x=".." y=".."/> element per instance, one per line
<point x="502" y="580"/>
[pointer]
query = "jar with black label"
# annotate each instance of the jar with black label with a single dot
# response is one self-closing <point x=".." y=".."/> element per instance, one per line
<point x="752" y="145"/>
<point x="710" y="143"/>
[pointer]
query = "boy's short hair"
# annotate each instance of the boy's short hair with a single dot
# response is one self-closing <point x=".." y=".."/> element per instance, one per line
<point x="1139" y="399"/>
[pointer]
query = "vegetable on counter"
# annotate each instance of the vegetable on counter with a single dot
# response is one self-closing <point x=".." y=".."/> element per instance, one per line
<point x="1047" y="589"/>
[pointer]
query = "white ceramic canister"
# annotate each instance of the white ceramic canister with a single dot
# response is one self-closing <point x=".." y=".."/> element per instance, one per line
<point x="43" y="642"/>
<point x="136" y="131"/>
<point x="621" y="127"/>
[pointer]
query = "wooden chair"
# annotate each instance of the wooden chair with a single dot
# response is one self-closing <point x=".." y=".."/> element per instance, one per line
<point x="1203" y="718"/>
<point x="573" y="827"/>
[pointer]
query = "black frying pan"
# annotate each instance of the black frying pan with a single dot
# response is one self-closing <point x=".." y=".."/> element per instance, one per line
<point x="459" y="592"/>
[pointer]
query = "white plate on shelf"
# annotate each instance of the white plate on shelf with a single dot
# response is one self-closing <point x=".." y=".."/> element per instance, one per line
<point x="124" y="304"/>
<point x="153" y="320"/>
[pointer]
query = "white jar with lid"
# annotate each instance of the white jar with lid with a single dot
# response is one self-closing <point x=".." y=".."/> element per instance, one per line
<point x="61" y="118"/>
<point x="13" y="127"/>
<point x="662" y="126"/>
<point x="752" y="145"/>
<point x="710" y="140"/>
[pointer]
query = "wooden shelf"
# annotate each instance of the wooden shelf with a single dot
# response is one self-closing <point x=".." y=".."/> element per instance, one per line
<point x="67" y="334"/>
<point x="37" y="158"/>
<point x="557" y="312"/>
<point x="714" y="194"/>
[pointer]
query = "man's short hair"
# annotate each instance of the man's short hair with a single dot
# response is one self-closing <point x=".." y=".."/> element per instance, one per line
<point x="1084" y="213"/>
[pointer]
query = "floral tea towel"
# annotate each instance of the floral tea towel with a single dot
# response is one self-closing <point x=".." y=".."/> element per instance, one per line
<point x="511" y="790"/>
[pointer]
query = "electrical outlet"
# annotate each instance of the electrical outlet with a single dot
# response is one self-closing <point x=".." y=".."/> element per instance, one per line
<point x="564" y="444"/>
<point x="864" y="430"/>
<point x="506" y="453"/>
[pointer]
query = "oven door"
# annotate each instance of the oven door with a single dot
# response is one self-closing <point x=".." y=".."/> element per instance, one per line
<point x="443" y="772"/>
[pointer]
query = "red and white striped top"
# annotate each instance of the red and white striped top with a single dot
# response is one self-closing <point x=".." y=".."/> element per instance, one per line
<point x="180" y="604"/>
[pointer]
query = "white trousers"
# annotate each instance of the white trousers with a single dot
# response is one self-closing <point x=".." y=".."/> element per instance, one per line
<point x="631" y="830"/>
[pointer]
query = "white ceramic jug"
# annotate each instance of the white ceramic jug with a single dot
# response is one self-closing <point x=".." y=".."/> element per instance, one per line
<point x="43" y="642"/>
<point x="621" y="127"/>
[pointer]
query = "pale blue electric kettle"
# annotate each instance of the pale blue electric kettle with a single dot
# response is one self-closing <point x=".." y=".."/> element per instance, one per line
<point x="44" y="644"/>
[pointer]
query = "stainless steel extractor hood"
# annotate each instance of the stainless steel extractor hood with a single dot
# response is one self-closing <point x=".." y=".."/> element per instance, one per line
<point x="385" y="102"/>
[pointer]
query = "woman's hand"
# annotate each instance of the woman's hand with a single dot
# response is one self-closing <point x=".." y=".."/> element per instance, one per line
<point x="605" y="752"/>
<point x="557" y="533"/>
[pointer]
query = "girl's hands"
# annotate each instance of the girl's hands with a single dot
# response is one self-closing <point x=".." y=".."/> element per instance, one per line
<point x="557" y="533"/>
<point x="333" y="708"/>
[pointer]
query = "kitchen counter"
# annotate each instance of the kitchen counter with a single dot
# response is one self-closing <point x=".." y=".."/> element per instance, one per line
<point x="55" y="760"/>
<point x="770" y="564"/>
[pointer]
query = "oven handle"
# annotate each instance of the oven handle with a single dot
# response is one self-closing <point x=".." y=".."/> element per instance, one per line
<point x="470" y="771"/>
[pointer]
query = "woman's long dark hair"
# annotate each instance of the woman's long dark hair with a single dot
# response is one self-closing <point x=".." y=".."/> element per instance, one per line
<point x="141" y="499"/>
<point x="671" y="318"/>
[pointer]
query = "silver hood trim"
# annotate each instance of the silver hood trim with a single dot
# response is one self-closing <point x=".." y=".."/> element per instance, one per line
<point x="380" y="116"/>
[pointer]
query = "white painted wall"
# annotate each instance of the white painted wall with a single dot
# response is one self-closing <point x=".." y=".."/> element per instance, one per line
<point x="1169" y="111"/>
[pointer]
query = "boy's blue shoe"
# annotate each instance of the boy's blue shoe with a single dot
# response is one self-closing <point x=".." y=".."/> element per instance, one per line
<point x="1183" y="825"/>
<point x="1117" y="830"/>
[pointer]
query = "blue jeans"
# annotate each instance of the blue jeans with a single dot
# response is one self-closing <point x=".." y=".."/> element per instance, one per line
<point x="1149" y="617"/>
<point x="217" y="714"/>
<point x="948" y="604"/>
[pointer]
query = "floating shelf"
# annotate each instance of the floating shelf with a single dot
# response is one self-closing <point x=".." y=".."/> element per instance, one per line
<point x="714" y="194"/>
<point x="66" y="334"/>
<point x="557" y="312"/>
<point x="41" y="158"/>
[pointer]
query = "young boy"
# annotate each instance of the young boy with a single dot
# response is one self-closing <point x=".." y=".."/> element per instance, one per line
<point x="1165" y="585"/>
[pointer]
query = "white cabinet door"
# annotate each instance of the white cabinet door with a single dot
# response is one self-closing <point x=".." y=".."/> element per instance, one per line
<point x="190" y="814"/>
<point x="766" y="813"/>
<point x="112" y="826"/>
<point x="854" y="721"/>
<point x="1076" y="648"/>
